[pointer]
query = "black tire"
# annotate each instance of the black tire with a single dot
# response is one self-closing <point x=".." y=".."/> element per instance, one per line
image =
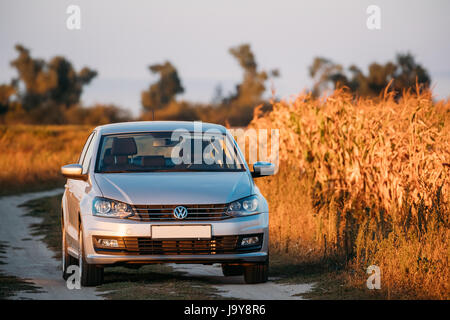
<point x="67" y="259"/>
<point x="256" y="273"/>
<point x="230" y="270"/>
<point x="90" y="274"/>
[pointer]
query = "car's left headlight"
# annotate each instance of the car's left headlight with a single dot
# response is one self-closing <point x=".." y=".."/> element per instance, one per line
<point x="244" y="207"/>
<point x="104" y="207"/>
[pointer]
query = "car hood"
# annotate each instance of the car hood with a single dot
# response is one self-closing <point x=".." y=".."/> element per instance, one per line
<point x="175" y="187"/>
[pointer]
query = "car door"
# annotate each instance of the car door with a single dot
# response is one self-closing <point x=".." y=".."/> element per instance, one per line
<point x="73" y="196"/>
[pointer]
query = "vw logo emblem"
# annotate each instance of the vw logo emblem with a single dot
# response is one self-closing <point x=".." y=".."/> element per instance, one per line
<point x="180" y="212"/>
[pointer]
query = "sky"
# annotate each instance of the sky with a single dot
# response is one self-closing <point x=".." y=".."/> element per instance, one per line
<point x="120" y="39"/>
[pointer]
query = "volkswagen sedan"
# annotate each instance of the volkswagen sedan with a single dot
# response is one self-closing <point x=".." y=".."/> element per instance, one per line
<point x="164" y="192"/>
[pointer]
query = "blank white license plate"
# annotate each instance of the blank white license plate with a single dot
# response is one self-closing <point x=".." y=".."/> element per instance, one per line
<point x="181" y="232"/>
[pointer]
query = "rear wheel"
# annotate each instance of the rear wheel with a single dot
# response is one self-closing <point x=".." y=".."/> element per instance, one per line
<point x="256" y="273"/>
<point x="90" y="274"/>
<point x="67" y="259"/>
<point x="230" y="270"/>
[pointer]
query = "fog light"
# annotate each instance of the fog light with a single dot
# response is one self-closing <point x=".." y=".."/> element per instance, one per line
<point x="112" y="243"/>
<point x="249" y="241"/>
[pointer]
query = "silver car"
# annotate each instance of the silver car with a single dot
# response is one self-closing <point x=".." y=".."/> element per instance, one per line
<point x="164" y="192"/>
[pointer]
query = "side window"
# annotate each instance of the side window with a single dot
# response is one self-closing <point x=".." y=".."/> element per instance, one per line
<point x="86" y="145"/>
<point x="88" y="155"/>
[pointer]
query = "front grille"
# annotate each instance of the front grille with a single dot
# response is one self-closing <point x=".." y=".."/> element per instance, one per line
<point x="147" y="246"/>
<point x="198" y="212"/>
<point x="213" y="246"/>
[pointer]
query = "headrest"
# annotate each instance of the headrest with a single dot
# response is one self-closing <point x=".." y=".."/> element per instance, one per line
<point x="108" y="159"/>
<point x="153" y="161"/>
<point x="123" y="147"/>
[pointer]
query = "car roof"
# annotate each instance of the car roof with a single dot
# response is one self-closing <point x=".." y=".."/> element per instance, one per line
<point x="150" y="126"/>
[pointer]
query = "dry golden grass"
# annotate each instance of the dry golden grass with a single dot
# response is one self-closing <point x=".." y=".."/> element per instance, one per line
<point x="287" y="235"/>
<point x="31" y="156"/>
<point x="379" y="185"/>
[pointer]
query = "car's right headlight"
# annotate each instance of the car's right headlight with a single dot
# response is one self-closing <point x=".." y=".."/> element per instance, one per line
<point x="244" y="207"/>
<point x="104" y="207"/>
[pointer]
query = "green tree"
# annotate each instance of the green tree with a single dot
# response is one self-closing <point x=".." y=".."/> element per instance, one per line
<point x="53" y="84"/>
<point x="408" y="71"/>
<point x="238" y="108"/>
<point x="403" y="73"/>
<point x="163" y="92"/>
<point x="6" y="92"/>
<point x="325" y="72"/>
<point x="252" y="87"/>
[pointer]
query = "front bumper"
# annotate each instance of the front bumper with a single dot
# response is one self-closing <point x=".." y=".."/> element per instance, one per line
<point x="103" y="259"/>
<point x="104" y="227"/>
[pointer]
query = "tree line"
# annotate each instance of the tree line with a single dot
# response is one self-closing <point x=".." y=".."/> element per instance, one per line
<point x="49" y="91"/>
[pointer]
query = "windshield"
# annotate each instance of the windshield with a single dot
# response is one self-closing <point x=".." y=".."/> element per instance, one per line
<point x="168" y="151"/>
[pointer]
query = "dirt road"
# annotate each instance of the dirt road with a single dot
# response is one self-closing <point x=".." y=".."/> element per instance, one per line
<point x="27" y="257"/>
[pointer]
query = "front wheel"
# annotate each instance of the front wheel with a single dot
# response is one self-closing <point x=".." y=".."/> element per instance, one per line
<point x="90" y="274"/>
<point x="256" y="273"/>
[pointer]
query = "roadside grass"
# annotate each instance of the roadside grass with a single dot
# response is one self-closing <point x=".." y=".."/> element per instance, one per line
<point x="298" y="255"/>
<point x="10" y="284"/>
<point x="331" y="282"/>
<point x="33" y="154"/>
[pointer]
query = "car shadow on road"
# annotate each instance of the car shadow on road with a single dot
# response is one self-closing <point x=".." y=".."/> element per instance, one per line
<point x="156" y="282"/>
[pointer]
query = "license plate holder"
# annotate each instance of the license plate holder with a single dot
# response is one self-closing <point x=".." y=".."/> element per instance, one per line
<point x="181" y="232"/>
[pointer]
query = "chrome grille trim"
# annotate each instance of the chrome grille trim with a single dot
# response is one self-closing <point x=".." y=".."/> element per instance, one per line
<point x="202" y="212"/>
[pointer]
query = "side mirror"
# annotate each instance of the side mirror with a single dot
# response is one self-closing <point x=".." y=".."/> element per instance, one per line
<point x="73" y="171"/>
<point x="261" y="169"/>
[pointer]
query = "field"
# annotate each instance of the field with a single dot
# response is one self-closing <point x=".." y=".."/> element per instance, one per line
<point x="31" y="156"/>
<point x="365" y="183"/>
<point x="361" y="182"/>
